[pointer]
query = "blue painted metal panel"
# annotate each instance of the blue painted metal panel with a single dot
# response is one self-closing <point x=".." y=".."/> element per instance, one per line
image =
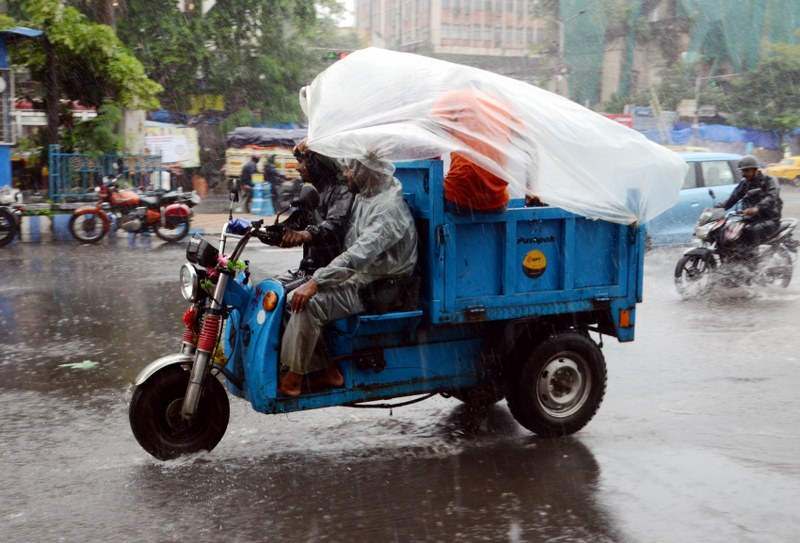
<point x="479" y="265"/>
<point x="257" y="342"/>
<point x="598" y="262"/>
<point x="473" y="265"/>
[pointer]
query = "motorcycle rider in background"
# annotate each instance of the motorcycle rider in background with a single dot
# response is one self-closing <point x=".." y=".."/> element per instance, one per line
<point x="760" y="195"/>
<point x="322" y="232"/>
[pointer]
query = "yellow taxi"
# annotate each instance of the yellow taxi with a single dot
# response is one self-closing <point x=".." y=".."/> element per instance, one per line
<point x="786" y="171"/>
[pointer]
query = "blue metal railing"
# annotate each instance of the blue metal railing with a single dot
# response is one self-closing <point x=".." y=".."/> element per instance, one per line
<point x="73" y="176"/>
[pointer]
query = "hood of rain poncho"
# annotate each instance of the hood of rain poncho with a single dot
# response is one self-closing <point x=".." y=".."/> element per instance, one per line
<point x="411" y="107"/>
<point x="371" y="172"/>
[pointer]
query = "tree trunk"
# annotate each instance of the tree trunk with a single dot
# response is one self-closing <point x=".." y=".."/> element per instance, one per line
<point x="52" y="92"/>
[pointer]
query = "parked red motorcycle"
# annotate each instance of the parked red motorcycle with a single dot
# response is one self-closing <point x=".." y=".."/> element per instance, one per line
<point x="168" y="216"/>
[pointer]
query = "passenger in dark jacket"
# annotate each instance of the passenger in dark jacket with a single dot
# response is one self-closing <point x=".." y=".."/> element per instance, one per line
<point x="322" y="232"/>
<point x="762" y="206"/>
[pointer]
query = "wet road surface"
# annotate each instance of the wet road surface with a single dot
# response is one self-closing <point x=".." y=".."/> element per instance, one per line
<point x="696" y="440"/>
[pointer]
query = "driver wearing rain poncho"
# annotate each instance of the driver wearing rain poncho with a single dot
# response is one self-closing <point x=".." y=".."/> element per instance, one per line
<point x="381" y="242"/>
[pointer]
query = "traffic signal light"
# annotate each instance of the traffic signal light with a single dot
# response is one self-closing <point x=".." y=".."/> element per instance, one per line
<point x="333" y="56"/>
<point x="714" y="83"/>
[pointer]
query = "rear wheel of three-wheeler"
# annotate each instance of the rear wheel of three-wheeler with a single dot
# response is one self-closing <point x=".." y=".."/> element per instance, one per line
<point x="558" y="387"/>
<point x="156" y="421"/>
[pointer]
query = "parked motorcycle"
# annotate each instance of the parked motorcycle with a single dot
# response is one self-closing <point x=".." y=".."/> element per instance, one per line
<point x="168" y="215"/>
<point x="721" y="259"/>
<point x="10" y="215"/>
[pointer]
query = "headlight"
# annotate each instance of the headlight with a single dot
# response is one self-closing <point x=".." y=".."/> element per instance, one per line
<point x="190" y="284"/>
<point x="701" y="232"/>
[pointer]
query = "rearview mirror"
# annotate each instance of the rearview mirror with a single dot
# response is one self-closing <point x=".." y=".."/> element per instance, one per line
<point x="307" y="199"/>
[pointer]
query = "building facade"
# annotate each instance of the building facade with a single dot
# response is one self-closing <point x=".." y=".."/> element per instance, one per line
<point x="504" y="36"/>
<point x="586" y="49"/>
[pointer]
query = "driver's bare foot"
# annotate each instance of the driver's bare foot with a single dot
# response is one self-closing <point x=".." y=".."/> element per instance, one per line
<point x="290" y="384"/>
<point x="329" y="377"/>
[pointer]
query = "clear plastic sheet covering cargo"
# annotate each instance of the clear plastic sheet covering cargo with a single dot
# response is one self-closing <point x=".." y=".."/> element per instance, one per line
<point x="408" y="107"/>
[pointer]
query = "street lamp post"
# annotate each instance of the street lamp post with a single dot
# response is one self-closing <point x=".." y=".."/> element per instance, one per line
<point x="562" y="71"/>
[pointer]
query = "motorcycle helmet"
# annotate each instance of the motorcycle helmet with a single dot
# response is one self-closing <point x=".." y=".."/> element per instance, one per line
<point x="748" y="162"/>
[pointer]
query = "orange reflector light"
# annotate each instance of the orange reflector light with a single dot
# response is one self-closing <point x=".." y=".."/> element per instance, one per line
<point x="625" y="318"/>
<point x="270" y="301"/>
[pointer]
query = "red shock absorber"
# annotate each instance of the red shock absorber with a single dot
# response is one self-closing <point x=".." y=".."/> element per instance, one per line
<point x="208" y="333"/>
<point x="190" y="338"/>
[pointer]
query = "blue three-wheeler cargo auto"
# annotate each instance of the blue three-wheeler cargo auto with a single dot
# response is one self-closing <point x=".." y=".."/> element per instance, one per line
<point x="510" y="305"/>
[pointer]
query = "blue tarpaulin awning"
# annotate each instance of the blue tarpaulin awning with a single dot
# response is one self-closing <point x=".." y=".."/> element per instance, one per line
<point x="19" y="32"/>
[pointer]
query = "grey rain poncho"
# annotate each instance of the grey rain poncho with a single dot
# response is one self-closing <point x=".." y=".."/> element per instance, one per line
<point x="411" y="107"/>
<point x="381" y="242"/>
<point x="382" y="239"/>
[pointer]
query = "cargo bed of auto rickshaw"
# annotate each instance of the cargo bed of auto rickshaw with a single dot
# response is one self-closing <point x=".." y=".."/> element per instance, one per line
<point x="525" y="262"/>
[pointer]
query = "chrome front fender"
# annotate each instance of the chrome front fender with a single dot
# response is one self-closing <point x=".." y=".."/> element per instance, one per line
<point x="159" y="363"/>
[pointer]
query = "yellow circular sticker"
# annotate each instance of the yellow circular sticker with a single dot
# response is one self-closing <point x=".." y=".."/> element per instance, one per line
<point x="534" y="264"/>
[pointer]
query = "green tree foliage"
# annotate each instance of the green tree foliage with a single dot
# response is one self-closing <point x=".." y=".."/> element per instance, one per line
<point x="256" y="54"/>
<point x="677" y="83"/>
<point x="95" y="136"/>
<point x="78" y="60"/>
<point x="767" y="98"/>
<point x="171" y="46"/>
<point x="260" y="55"/>
<point x="92" y="63"/>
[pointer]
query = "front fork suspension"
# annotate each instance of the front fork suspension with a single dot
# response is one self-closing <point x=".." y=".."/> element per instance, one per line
<point x="205" y="346"/>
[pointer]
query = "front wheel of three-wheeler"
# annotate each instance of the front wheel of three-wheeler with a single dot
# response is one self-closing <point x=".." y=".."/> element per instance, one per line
<point x="156" y="421"/>
<point x="558" y="387"/>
